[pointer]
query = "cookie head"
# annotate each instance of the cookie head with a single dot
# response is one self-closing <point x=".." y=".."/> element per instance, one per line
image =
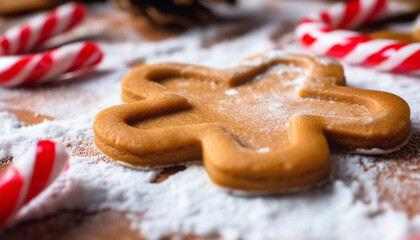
<point x="266" y="125"/>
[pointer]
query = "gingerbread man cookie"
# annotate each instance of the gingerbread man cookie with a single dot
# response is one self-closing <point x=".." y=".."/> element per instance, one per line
<point x="266" y="125"/>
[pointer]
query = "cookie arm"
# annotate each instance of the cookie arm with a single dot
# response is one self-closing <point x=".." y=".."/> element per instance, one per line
<point x="384" y="129"/>
<point x="144" y="148"/>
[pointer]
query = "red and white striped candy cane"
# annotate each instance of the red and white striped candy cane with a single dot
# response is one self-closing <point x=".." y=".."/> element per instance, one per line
<point x="27" y="36"/>
<point x="34" y="172"/>
<point x="323" y="34"/>
<point x="35" y="68"/>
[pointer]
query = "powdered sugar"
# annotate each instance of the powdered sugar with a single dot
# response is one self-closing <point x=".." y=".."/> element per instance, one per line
<point x="231" y="92"/>
<point x="326" y="60"/>
<point x="263" y="150"/>
<point x="256" y="112"/>
<point x="8" y="123"/>
<point x="349" y="207"/>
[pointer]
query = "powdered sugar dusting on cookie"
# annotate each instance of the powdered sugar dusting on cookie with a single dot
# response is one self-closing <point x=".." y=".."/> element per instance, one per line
<point x="326" y="60"/>
<point x="349" y="207"/>
<point x="263" y="150"/>
<point x="256" y="112"/>
<point x="231" y="92"/>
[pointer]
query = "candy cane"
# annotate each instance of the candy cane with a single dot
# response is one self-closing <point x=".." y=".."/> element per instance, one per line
<point x="34" y="172"/>
<point x="27" y="36"/>
<point x="322" y="35"/>
<point x="35" y="68"/>
<point x="414" y="237"/>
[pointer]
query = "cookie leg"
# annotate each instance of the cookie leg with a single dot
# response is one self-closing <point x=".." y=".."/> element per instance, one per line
<point x="305" y="162"/>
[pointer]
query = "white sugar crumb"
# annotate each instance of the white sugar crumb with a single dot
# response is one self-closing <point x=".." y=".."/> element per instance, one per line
<point x="282" y="69"/>
<point x="348" y="207"/>
<point x="326" y="60"/>
<point x="412" y="168"/>
<point x="370" y="151"/>
<point x="231" y="92"/>
<point x="8" y="123"/>
<point x="264" y="150"/>
<point x="415" y="176"/>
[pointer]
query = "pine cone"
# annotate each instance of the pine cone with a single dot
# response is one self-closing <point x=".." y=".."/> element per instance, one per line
<point x="170" y="13"/>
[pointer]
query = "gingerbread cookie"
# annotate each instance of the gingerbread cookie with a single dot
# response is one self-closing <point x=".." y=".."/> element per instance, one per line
<point x="265" y="125"/>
